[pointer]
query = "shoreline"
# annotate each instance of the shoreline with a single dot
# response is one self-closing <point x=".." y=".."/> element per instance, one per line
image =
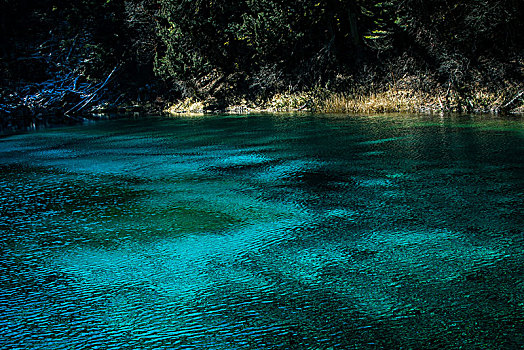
<point x="392" y="100"/>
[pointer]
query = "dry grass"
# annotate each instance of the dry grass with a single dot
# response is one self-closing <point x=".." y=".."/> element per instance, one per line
<point x="288" y="102"/>
<point x="389" y="101"/>
<point x="189" y="105"/>
<point x="392" y="100"/>
<point x="404" y="100"/>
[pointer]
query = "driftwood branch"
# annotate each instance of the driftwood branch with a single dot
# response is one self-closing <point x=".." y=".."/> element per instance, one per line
<point x="80" y="105"/>
<point x="512" y="103"/>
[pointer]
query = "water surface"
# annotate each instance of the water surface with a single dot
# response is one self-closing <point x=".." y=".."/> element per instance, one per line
<point x="264" y="232"/>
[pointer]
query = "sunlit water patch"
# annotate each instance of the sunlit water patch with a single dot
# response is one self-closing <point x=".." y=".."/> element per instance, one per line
<point x="264" y="232"/>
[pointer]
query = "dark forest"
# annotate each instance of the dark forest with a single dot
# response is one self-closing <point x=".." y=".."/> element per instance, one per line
<point x="72" y="58"/>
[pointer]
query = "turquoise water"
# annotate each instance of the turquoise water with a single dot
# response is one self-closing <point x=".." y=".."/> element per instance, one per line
<point x="264" y="232"/>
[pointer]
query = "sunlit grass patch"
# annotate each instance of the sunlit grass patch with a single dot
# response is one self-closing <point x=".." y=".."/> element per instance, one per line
<point x="399" y="97"/>
<point x="391" y="100"/>
<point x="188" y="105"/>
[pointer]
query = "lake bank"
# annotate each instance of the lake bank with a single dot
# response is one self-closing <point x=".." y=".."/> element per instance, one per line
<point x="390" y="100"/>
<point x="16" y="115"/>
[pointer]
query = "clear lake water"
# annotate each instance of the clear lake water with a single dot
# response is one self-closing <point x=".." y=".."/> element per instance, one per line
<point x="264" y="232"/>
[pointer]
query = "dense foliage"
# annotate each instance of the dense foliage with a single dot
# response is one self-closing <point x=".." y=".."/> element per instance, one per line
<point x="310" y="42"/>
<point x="225" y="48"/>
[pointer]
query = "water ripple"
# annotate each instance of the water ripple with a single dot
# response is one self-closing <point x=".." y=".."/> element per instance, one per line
<point x="265" y="232"/>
